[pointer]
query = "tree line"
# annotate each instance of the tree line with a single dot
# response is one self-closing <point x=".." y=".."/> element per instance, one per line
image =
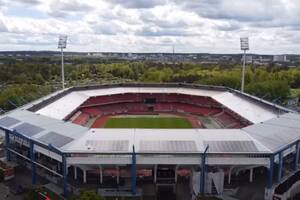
<point x="22" y="82"/>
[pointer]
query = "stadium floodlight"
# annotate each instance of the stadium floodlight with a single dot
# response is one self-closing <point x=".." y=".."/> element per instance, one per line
<point x="62" y="44"/>
<point x="244" y="47"/>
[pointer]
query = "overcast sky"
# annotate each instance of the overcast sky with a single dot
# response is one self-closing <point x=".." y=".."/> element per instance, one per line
<point x="212" y="26"/>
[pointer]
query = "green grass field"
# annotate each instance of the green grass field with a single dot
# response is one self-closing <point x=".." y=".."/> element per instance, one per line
<point x="148" y="122"/>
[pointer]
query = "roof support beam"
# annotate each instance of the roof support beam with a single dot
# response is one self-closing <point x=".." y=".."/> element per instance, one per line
<point x="33" y="165"/>
<point x="75" y="172"/>
<point x="101" y="174"/>
<point x="270" y="173"/>
<point x="203" y="171"/>
<point x="297" y="153"/>
<point x="280" y="166"/>
<point x="7" y="145"/>
<point x="133" y="172"/>
<point x="65" y="174"/>
<point x="202" y="176"/>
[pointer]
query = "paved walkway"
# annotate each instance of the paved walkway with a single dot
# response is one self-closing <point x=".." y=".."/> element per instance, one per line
<point x="254" y="190"/>
<point x="5" y="194"/>
<point x="183" y="192"/>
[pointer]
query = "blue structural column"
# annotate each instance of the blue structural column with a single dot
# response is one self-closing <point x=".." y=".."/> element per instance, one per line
<point x="65" y="174"/>
<point x="7" y="145"/>
<point x="32" y="160"/>
<point x="296" y="159"/>
<point x="270" y="173"/>
<point x="202" y="176"/>
<point x="280" y="166"/>
<point x="133" y="172"/>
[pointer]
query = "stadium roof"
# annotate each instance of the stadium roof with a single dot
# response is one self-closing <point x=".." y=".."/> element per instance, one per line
<point x="272" y="133"/>
<point x="253" y="109"/>
<point x="265" y="137"/>
<point x="275" y="133"/>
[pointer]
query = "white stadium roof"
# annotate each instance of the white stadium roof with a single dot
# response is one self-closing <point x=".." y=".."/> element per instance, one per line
<point x="253" y="112"/>
<point x="269" y="134"/>
<point x="81" y="139"/>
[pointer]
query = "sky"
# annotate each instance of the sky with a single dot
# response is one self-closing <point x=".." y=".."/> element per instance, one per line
<point x="191" y="26"/>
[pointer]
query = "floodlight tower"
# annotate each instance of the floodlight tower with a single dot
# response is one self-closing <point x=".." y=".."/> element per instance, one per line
<point x="62" y="44"/>
<point x="244" y="47"/>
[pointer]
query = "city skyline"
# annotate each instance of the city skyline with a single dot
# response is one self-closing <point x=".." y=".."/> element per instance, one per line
<point x="213" y="26"/>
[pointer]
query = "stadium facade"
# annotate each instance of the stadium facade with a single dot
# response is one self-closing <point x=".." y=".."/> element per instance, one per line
<point x="51" y="135"/>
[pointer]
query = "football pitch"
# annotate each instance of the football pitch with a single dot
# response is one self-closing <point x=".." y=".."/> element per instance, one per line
<point x="148" y="122"/>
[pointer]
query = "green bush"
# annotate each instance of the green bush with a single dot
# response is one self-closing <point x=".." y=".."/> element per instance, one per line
<point x="88" y="195"/>
<point x="269" y="89"/>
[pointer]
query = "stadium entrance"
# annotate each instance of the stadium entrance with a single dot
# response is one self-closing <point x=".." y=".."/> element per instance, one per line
<point x="165" y="183"/>
<point x="165" y="175"/>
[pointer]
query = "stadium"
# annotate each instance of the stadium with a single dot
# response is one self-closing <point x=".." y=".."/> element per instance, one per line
<point x="145" y="139"/>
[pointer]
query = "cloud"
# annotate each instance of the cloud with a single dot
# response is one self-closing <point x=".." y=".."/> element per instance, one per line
<point x="139" y="3"/>
<point x="256" y="13"/>
<point x="108" y="28"/>
<point x="254" y="10"/>
<point x="28" y="1"/>
<point x="64" y="8"/>
<point x="151" y="25"/>
<point x="228" y="26"/>
<point x="157" y="32"/>
<point x="3" y="27"/>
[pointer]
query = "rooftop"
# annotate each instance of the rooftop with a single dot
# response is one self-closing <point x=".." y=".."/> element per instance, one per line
<point x="274" y="126"/>
<point x="253" y="109"/>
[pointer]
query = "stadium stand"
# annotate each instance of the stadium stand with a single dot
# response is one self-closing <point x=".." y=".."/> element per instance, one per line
<point x="93" y="112"/>
<point x="143" y="103"/>
<point x="81" y="119"/>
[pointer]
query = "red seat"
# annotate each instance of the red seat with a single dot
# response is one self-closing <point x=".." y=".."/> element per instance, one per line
<point x="81" y="119"/>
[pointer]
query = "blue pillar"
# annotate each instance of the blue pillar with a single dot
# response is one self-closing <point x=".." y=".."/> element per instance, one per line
<point x="270" y="173"/>
<point x="202" y="176"/>
<point x="280" y="166"/>
<point x="133" y="172"/>
<point x="7" y="145"/>
<point x="33" y="165"/>
<point x="65" y="174"/>
<point x="296" y="159"/>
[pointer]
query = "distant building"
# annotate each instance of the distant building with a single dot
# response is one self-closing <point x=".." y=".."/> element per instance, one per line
<point x="265" y="60"/>
<point x="249" y="59"/>
<point x="95" y="54"/>
<point x="279" y="58"/>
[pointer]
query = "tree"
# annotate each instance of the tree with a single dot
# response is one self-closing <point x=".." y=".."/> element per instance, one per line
<point x="38" y="78"/>
<point x="296" y="79"/>
<point x="89" y="195"/>
<point x="270" y="90"/>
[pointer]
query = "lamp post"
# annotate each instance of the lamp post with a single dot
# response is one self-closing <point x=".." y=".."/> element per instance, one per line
<point x="62" y="44"/>
<point x="244" y="47"/>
